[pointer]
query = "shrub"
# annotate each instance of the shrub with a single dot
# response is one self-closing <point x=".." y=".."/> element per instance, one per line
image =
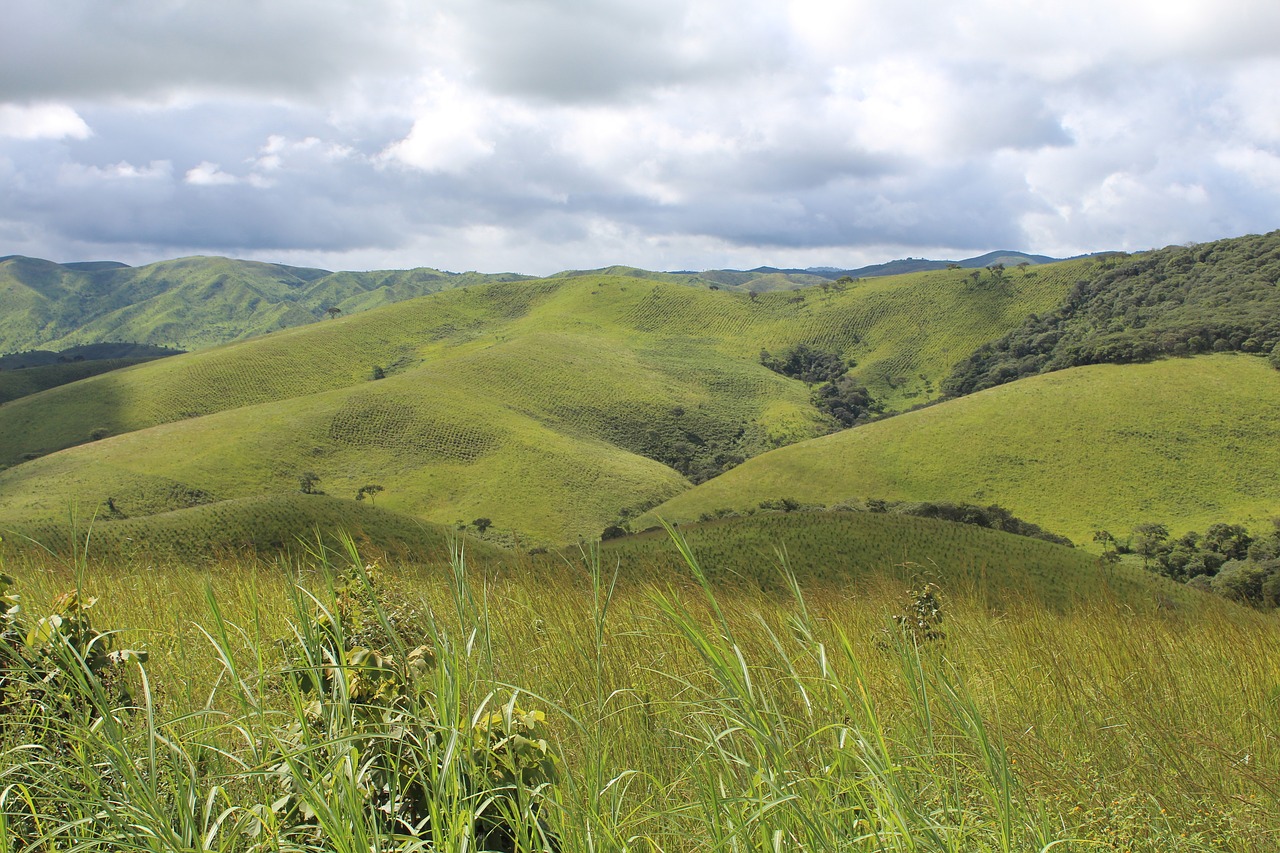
<point x="1240" y="581"/>
<point x="379" y="731"/>
<point x="806" y="364"/>
<point x="62" y="667"/>
<point x="921" y="618"/>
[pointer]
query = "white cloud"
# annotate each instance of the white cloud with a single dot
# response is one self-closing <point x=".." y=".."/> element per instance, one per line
<point x="156" y="170"/>
<point x="42" y="121"/>
<point x="1254" y="165"/>
<point x="209" y="175"/>
<point x="454" y="129"/>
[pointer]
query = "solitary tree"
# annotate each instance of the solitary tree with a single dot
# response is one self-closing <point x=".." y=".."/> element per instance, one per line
<point x="307" y="482"/>
<point x="368" y="491"/>
<point x="482" y="524"/>
<point x="333" y="311"/>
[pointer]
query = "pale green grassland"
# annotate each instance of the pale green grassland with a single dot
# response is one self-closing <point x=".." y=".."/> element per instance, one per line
<point x="495" y="395"/>
<point x="690" y="718"/>
<point x="1186" y="442"/>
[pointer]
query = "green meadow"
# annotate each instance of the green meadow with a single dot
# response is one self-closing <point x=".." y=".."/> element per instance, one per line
<point x="846" y="549"/>
<point x="1187" y="442"/>
<point x="604" y="393"/>
<point x="618" y="701"/>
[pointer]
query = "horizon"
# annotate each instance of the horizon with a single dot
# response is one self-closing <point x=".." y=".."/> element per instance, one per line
<point x="760" y="267"/>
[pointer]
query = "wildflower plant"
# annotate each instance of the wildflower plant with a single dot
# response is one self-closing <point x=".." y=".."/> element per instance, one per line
<point x="379" y="733"/>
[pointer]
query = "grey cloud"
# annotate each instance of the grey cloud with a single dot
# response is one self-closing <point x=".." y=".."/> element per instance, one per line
<point x="584" y="50"/>
<point x="78" y="49"/>
<point x="967" y="206"/>
<point x="714" y="131"/>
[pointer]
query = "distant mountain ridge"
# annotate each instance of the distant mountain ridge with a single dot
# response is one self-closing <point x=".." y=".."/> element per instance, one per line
<point x="1007" y="257"/>
<point x="190" y="303"/>
<point x="196" y="302"/>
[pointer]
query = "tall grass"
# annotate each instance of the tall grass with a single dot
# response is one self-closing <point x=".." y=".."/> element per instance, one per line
<point x="680" y="714"/>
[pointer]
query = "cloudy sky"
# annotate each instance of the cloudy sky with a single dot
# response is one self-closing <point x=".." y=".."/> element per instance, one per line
<point x="539" y="135"/>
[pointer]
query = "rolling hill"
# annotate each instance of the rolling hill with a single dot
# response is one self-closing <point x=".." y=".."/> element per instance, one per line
<point x="549" y="406"/>
<point x="196" y="302"/>
<point x="189" y="303"/>
<point x="1181" y="300"/>
<point x="849" y="549"/>
<point x="1187" y="442"/>
<point x="258" y="526"/>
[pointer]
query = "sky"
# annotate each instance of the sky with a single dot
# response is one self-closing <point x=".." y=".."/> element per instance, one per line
<point x="540" y="135"/>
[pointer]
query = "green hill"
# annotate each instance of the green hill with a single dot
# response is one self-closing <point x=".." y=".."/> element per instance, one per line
<point x="262" y="526"/>
<point x="190" y="302"/>
<point x="548" y="406"/>
<point x="196" y="302"/>
<point x="1181" y="300"/>
<point x="1187" y="442"/>
<point x="32" y="380"/>
<point x="848" y="549"/>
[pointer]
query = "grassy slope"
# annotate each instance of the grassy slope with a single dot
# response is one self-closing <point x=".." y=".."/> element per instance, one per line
<point x="1186" y="441"/>
<point x="32" y="380"/>
<point x="193" y="302"/>
<point x="849" y="548"/>
<point x="524" y="402"/>
<point x="259" y="525"/>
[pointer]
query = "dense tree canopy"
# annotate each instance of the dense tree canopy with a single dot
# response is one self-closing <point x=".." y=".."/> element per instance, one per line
<point x="1181" y="300"/>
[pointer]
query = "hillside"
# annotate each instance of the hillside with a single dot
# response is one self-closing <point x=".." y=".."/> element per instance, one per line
<point x="1181" y="300"/>
<point x="192" y="303"/>
<point x="851" y="549"/>
<point x="32" y="380"/>
<point x="548" y="406"/>
<point x="1187" y="442"/>
<point x="257" y="526"/>
<point x="188" y="303"/>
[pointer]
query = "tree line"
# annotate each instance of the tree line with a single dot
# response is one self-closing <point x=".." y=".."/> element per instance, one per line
<point x="1226" y="559"/>
<point x="1177" y="301"/>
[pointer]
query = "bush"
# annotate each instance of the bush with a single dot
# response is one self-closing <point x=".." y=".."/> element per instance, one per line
<point x="379" y="731"/>
<point x="847" y="402"/>
<point x="806" y="364"/>
<point x="1240" y="581"/>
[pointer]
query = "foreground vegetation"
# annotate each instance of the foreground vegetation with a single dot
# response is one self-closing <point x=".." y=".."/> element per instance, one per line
<point x="320" y="706"/>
